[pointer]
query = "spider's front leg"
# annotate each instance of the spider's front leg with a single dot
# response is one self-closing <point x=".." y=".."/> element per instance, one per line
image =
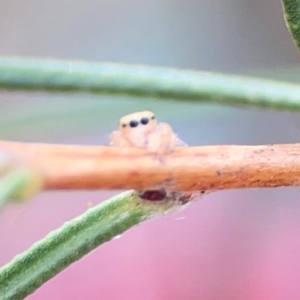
<point x="162" y="140"/>
<point x="167" y="137"/>
<point x="117" y="139"/>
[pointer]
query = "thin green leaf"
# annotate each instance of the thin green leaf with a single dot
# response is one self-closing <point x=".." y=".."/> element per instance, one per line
<point x="291" y="10"/>
<point x="12" y="183"/>
<point x="60" y="248"/>
<point x="106" y="78"/>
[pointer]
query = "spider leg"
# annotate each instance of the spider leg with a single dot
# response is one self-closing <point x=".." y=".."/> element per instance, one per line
<point x="116" y="139"/>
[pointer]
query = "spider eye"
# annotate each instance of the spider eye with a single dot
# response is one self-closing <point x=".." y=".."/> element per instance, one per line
<point x="124" y="125"/>
<point x="134" y="123"/>
<point x="153" y="117"/>
<point x="144" y="121"/>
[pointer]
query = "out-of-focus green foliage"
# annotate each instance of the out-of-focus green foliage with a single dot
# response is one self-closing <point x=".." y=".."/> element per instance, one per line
<point x="291" y="10"/>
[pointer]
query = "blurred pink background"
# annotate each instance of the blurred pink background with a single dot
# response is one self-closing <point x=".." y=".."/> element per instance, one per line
<point x="241" y="244"/>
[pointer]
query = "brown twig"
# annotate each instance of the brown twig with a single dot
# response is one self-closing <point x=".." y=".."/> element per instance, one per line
<point x="186" y="169"/>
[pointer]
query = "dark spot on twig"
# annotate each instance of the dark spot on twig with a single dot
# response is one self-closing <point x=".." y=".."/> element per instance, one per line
<point x="153" y="195"/>
<point x="185" y="198"/>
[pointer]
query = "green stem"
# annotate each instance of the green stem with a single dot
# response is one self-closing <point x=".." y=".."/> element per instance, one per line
<point x="28" y="271"/>
<point x="11" y="184"/>
<point x="291" y="10"/>
<point x="67" y="76"/>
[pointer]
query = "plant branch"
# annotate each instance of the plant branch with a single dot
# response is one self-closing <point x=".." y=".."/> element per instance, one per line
<point x="185" y="169"/>
<point x="134" y="80"/>
<point x="60" y="248"/>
